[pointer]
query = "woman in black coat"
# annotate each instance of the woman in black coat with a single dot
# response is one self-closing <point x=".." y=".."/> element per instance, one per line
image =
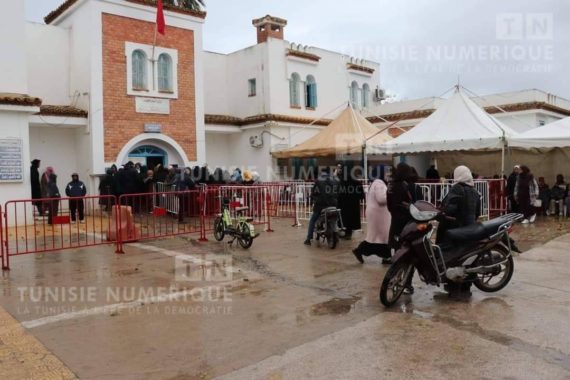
<point x="106" y="188"/>
<point x="54" y="195"/>
<point x="351" y="193"/>
<point x="36" y="185"/>
<point x="399" y="198"/>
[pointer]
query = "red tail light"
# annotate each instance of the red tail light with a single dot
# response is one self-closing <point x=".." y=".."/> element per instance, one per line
<point x="422" y="227"/>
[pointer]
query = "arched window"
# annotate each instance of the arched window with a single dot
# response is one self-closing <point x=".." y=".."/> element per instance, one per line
<point x="354" y="94"/>
<point x="365" y="96"/>
<point x="164" y="73"/>
<point x="311" y="92"/>
<point x="139" y="70"/>
<point x="294" y="93"/>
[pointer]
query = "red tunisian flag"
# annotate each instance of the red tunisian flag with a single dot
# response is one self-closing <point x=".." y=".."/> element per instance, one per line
<point x="160" y="23"/>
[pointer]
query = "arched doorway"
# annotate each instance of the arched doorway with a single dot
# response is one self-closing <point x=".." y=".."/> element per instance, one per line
<point x="149" y="155"/>
<point x="155" y="148"/>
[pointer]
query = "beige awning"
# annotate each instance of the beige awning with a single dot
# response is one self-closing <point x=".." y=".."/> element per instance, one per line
<point x="344" y="135"/>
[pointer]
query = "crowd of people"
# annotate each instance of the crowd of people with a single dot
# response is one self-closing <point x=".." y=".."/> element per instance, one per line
<point x="138" y="179"/>
<point x="531" y="197"/>
<point x="46" y="195"/>
<point x="387" y="206"/>
<point x="131" y="178"/>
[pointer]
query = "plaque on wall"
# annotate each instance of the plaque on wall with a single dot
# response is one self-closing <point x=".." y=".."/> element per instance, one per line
<point x="152" y="105"/>
<point x="11" y="160"/>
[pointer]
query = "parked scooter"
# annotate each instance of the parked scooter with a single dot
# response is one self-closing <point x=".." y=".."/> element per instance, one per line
<point x="328" y="226"/>
<point x="479" y="254"/>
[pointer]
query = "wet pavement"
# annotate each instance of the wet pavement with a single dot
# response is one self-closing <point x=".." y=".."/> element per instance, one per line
<point x="281" y="310"/>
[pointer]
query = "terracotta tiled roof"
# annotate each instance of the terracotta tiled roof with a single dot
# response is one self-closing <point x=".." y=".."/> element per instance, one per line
<point x="270" y="19"/>
<point x="19" y="99"/>
<point x="418" y="114"/>
<point x="401" y="116"/>
<point x="69" y="3"/>
<point x="528" y="106"/>
<point x="352" y="66"/>
<point x="222" y="119"/>
<point x="50" y="110"/>
<point x="302" y="54"/>
<point x="231" y="120"/>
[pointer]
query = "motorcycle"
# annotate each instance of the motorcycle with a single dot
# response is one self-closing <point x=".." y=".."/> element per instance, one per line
<point x="479" y="254"/>
<point x="328" y="227"/>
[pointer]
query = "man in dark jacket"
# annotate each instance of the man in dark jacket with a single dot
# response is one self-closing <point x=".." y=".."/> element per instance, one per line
<point x="36" y="185"/>
<point x="324" y="194"/>
<point x="432" y="173"/>
<point x="76" y="190"/>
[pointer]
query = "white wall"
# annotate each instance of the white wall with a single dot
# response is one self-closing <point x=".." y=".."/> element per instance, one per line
<point x="216" y="83"/>
<point x="56" y="147"/>
<point x="218" y="150"/>
<point x="14" y="124"/>
<point x="331" y="75"/>
<point x="13" y="76"/>
<point x="48" y="63"/>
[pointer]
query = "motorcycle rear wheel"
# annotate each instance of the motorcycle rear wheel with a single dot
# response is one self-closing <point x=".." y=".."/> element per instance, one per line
<point x="332" y="239"/>
<point x="483" y="281"/>
<point x="394" y="282"/>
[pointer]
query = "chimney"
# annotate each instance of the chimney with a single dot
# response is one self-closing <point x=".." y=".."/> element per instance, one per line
<point x="269" y="26"/>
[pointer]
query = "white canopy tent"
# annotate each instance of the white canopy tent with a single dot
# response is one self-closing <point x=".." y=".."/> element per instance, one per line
<point x="457" y="125"/>
<point x="553" y="135"/>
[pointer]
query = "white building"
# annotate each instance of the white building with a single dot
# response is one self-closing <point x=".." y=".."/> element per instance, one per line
<point x="276" y="94"/>
<point x="96" y="95"/>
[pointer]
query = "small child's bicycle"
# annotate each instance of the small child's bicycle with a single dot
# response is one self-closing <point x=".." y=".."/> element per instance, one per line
<point x="239" y="228"/>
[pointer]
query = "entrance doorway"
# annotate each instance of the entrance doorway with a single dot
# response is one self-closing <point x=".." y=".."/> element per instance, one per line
<point x="149" y="155"/>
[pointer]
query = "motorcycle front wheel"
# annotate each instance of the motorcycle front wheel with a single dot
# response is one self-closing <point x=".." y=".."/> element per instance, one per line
<point x="394" y="282"/>
<point x="498" y="279"/>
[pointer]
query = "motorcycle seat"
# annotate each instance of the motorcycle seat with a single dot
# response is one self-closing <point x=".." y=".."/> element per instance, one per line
<point x="241" y="209"/>
<point x="476" y="232"/>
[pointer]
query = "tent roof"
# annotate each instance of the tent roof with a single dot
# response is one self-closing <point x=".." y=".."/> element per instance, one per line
<point x="553" y="135"/>
<point x="344" y="135"/>
<point x="458" y="124"/>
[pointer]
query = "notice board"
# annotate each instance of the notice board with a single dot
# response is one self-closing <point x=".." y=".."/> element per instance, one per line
<point x="11" y="160"/>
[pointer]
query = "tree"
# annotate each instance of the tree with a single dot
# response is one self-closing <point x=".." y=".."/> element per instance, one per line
<point x="195" y="5"/>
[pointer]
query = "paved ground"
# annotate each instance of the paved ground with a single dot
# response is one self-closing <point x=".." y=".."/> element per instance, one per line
<point x="281" y="311"/>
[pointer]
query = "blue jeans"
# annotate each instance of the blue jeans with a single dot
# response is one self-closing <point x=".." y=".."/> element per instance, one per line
<point x="312" y="223"/>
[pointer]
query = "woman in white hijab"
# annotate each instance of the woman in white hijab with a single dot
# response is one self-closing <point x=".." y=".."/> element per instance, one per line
<point x="463" y="202"/>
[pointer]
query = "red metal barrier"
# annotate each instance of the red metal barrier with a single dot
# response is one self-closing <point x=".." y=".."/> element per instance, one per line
<point x="158" y="215"/>
<point x="497" y="197"/>
<point x="254" y="197"/>
<point x="2" y="242"/>
<point x="54" y="224"/>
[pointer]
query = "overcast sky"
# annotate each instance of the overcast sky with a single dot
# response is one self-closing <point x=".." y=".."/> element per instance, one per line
<point x="423" y="46"/>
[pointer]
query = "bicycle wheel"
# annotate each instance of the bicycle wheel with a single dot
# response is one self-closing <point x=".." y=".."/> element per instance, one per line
<point x="244" y="236"/>
<point x="219" y="232"/>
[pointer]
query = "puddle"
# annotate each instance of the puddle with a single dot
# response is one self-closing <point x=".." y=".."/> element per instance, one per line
<point x="335" y="306"/>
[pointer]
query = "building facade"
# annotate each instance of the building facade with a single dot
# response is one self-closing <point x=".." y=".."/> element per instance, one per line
<point x="102" y="90"/>
<point x="276" y="94"/>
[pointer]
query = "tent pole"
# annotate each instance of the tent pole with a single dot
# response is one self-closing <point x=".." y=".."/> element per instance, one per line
<point x="365" y="161"/>
<point x="503" y="160"/>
